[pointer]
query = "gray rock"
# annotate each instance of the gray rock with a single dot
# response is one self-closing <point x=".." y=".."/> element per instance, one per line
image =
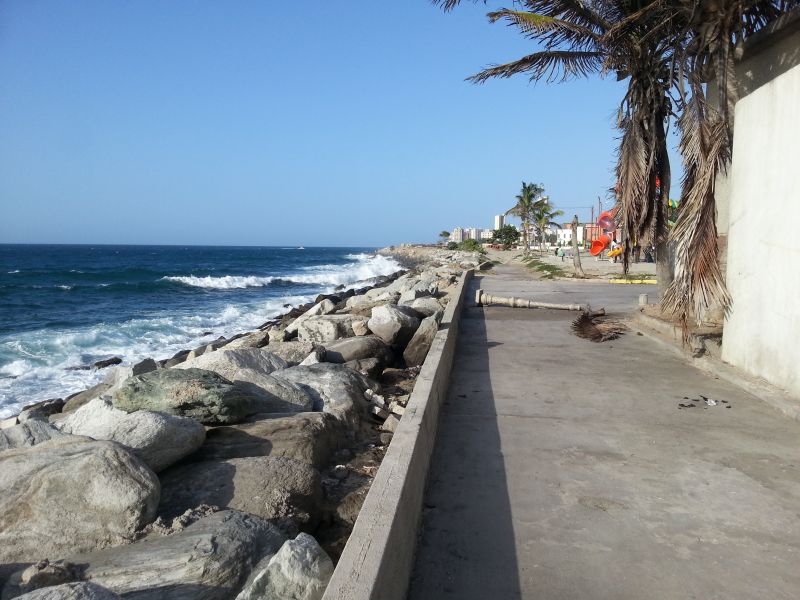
<point x="360" y="327"/>
<point x="299" y="571"/>
<point x="357" y="348"/>
<point x="41" y="410"/>
<point x="75" y="401"/>
<point x="418" y="347"/>
<point x="145" y="366"/>
<point x="71" y="494"/>
<point x="321" y="308"/>
<point x="82" y="590"/>
<point x="159" y="439"/>
<point x="195" y="393"/>
<point x="317" y="356"/>
<point x="208" y="560"/>
<point x="257" y="339"/>
<point x="276" y="395"/>
<point x="390" y="424"/>
<point x="409" y="296"/>
<point x="292" y="352"/>
<point x="401" y="284"/>
<point x="278" y="335"/>
<point x="307" y="437"/>
<point x="266" y="486"/>
<point x="369" y="367"/>
<point x="335" y="388"/>
<point x="426" y="306"/>
<point x="230" y="362"/>
<point x="27" y="434"/>
<point x="326" y="328"/>
<point x="392" y="325"/>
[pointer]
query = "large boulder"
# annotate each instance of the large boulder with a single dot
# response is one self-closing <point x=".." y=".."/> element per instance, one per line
<point x="229" y="363"/>
<point x="249" y="369"/>
<point x="320" y="308"/>
<point x="41" y="410"/>
<point x="71" y="494"/>
<point x="196" y="393"/>
<point x="277" y="395"/>
<point x="27" y="434"/>
<point x="299" y="571"/>
<point x="426" y="306"/>
<point x="418" y="347"/>
<point x="392" y="325"/>
<point x="269" y="487"/>
<point x="257" y="339"/>
<point x="357" y="348"/>
<point x="293" y="352"/>
<point x="323" y="329"/>
<point x="159" y="439"/>
<point x="307" y="437"/>
<point x="208" y="560"/>
<point x="75" y="401"/>
<point x="82" y="590"/>
<point x="337" y="389"/>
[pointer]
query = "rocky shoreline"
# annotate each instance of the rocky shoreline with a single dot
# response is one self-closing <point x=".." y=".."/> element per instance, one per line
<point x="232" y="470"/>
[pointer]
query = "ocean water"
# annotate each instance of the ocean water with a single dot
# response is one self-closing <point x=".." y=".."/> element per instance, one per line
<point x="65" y="306"/>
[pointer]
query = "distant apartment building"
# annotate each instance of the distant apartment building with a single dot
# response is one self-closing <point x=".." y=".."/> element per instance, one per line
<point x="458" y="235"/>
<point x="487" y="235"/>
<point x="473" y="233"/>
<point x="499" y="221"/>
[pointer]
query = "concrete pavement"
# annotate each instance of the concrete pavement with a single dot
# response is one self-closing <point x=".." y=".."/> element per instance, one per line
<point x="565" y="469"/>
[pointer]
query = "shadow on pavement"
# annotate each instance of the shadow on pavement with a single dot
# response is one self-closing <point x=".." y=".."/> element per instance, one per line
<point x="466" y="547"/>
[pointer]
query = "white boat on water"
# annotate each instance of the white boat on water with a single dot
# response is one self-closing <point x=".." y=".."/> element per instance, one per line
<point x="301" y="248"/>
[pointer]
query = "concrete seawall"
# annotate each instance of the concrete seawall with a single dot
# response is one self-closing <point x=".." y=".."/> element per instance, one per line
<point x="378" y="558"/>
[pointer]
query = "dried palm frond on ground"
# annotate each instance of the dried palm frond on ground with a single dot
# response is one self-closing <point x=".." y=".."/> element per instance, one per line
<point x="596" y="329"/>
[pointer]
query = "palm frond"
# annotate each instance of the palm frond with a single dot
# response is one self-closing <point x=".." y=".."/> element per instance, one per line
<point x="550" y="65"/>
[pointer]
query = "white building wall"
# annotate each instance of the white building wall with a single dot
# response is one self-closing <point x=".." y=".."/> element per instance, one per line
<point x="762" y="333"/>
<point x="499" y="221"/>
<point x="565" y="235"/>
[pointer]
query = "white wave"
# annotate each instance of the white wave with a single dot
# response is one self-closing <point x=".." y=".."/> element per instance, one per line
<point x="34" y="363"/>
<point x="227" y="282"/>
<point x="363" y="267"/>
<point x="12" y="272"/>
<point x="64" y="287"/>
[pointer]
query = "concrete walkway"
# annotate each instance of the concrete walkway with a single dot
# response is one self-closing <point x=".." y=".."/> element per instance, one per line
<point x="565" y="469"/>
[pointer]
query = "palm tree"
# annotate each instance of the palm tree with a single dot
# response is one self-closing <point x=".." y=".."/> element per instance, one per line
<point x="581" y="38"/>
<point x="530" y="194"/>
<point x="543" y="219"/>
<point x="668" y="50"/>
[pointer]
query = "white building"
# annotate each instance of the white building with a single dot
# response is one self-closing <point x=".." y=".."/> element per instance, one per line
<point x="499" y="221"/>
<point x="473" y="233"/>
<point x="564" y="235"/>
<point x="487" y="234"/>
<point x="758" y="208"/>
<point x="457" y="236"/>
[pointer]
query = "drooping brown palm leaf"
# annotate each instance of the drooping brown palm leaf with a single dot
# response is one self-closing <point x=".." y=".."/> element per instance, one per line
<point x="595" y="329"/>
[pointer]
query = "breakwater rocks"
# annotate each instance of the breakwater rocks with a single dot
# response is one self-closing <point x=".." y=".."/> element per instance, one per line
<point x="231" y="471"/>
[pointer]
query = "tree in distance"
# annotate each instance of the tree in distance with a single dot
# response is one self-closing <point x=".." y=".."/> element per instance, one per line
<point x="506" y="236"/>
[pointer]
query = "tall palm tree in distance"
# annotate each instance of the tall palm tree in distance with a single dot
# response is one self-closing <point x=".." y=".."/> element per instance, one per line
<point x="525" y="209"/>
<point x="544" y="215"/>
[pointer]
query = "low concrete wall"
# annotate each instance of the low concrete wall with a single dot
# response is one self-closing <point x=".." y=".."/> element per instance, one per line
<point x="377" y="560"/>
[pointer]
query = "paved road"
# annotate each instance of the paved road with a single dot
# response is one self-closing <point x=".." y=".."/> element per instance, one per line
<point x="564" y="469"/>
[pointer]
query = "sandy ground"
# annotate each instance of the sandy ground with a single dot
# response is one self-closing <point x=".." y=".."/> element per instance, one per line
<point x="591" y="266"/>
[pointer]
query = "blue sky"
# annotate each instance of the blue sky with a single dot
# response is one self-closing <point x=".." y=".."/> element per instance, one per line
<point x="266" y="123"/>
